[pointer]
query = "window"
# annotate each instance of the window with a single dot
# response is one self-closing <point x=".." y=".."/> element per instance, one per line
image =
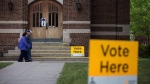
<point x="37" y="14"/>
<point x="53" y="15"/>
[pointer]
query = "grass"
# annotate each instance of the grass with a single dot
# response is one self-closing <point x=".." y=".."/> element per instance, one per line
<point x="4" y="64"/>
<point x="77" y="73"/>
<point x="144" y="71"/>
<point x="74" y="73"/>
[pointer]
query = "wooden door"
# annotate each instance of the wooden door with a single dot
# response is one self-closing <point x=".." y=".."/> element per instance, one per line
<point x="50" y="10"/>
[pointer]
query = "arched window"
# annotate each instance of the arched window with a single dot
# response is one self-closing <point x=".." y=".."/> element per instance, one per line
<point x="37" y="15"/>
<point x="53" y="15"/>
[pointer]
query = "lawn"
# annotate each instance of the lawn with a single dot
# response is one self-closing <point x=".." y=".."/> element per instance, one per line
<point x="4" y="64"/>
<point x="76" y="73"/>
<point x="144" y="71"/>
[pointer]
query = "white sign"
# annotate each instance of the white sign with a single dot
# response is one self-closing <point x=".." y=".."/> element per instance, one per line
<point x="43" y="21"/>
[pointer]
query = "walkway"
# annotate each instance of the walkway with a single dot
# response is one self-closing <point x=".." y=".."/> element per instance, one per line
<point x="36" y="72"/>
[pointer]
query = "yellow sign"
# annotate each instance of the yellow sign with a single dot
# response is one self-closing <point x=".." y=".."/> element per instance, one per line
<point x="77" y="50"/>
<point x="113" y="58"/>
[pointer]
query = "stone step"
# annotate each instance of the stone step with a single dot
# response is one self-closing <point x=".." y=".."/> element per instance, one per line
<point x="41" y="51"/>
<point x="52" y="54"/>
<point x="50" y="48"/>
<point x="15" y="58"/>
<point x="50" y="51"/>
<point x="42" y="54"/>
<point x="49" y="44"/>
<point x="46" y="50"/>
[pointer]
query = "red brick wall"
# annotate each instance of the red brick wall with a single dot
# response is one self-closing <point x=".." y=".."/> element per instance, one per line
<point x="105" y="11"/>
<point x="81" y="39"/>
<point x="15" y="14"/>
<point x="110" y="12"/>
<point x="123" y="13"/>
<point x="8" y="41"/>
<point x="96" y="11"/>
<point x="19" y="13"/>
<point x="70" y="13"/>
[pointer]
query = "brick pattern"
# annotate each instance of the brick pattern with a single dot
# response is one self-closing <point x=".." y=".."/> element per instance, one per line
<point x="19" y="13"/>
<point x="80" y="39"/>
<point x="103" y="12"/>
<point x="25" y="10"/>
<point x="76" y="26"/>
<point x="8" y="41"/>
<point x="105" y="29"/>
<point x="110" y="11"/>
<point x="123" y="13"/>
<point x="70" y="13"/>
<point x="15" y="14"/>
<point x="12" y="26"/>
<point x="110" y="37"/>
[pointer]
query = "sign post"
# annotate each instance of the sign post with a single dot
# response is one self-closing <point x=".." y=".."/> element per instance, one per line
<point x="113" y="62"/>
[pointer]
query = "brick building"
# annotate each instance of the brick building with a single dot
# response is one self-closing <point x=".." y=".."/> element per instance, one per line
<point x="96" y="19"/>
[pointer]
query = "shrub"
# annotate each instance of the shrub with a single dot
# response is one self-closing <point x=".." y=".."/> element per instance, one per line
<point x="143" y="51"/>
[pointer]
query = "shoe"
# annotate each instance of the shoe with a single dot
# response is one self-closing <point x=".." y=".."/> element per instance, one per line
<point x="30" y="60"/>
<point x="27" y="60"/>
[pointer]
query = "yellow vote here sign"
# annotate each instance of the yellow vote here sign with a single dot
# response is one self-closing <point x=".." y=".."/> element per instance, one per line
<point x="112" y="60"/>
<point x="77" y="50"/>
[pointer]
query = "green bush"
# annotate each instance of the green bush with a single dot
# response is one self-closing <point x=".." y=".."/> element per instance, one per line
<point x="143" y="51"/>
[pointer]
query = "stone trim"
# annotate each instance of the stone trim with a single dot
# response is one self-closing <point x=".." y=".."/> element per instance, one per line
<point x="110" y="33"/>
<point x="76" y="30"/>
<point x="66" y="33"/>
<point x="13" y="22"/>
<point x="127" y="26"/>
<point x="125" y="29"/>
<point x="76" y="22"/>
<point x="29" y="1"/>
<point x="20" y="31"/>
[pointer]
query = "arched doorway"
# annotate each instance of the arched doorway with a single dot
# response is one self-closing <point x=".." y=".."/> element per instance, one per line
<point x="51" y="11"/>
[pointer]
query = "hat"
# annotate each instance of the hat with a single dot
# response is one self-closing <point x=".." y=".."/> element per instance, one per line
<point x="29" y="31"/>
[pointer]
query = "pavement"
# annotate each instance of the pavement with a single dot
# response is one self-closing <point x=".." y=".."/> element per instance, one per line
<point x="36" y="72"/>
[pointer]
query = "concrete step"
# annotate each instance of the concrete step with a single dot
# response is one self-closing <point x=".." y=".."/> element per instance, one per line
<point x="50" y="51"/>
<point x="42" y="51"/>
<point x="15" y="58"/>
<point x="42" y="54"/>
<point x="52" y="54"/>
<point x="50" y="48"/>
<point x="49" y="44"/>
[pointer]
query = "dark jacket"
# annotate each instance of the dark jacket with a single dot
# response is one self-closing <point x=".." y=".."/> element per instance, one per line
<point x="23" y="45"/>
<point x="28" y="39"/>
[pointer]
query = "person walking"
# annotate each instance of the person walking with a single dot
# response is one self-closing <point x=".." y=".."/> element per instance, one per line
<point x="28" y="39"/>
<point x="24" y="47"/>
